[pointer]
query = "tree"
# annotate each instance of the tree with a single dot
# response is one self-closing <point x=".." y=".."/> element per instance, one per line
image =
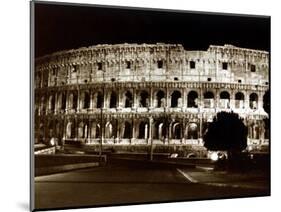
<point x="266" y="101"/>
<point x="228" y="133"/>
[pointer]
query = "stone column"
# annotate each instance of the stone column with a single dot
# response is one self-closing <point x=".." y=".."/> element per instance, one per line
<point x="64" y="124"/>
<point x="56" y="106"/>
<point x="184" y="100"/>
<point x="119" y="100"/>
<point x="150" y="130"/>
<point x="200" y="125"/>
<point x="168" y="98"/>
<point x="78" y="101"/>
<point x="262" y="131"/>
<point x="76" y="128"/>
<point x="247" y="101"/>
<point x="89" y="130"/>
<point x="183" y="130"/>
<point x="232" y="100"/>
<point x="66" y="101"/>
<point x="146" y="132"/>
<point x="117" y="131"/>
<point x="170" y="131"/>
<point x="134" y="99"/>
<point x="151" y="102"/>
<point x="217" y="98"/>
<point x="200" y="101"/>
<point x="133" y="131"/>
<point x="260" y="101"/>
<point x="91" y="99"/>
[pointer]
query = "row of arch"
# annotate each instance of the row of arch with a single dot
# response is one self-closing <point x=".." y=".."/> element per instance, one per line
<point x="127" y="129"/>
<point x="110" y="131"/>
<point x="123" y="130"/>
<point x="86" y="100"/>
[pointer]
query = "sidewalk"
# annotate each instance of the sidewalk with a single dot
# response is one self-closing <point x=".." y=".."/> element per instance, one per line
<point x="252" y="180"/>
<point x="50" y="164"/>
<point x="62" y="168"/>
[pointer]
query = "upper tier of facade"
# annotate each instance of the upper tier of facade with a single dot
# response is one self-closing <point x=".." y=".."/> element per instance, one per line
<point x="151" y="63"/>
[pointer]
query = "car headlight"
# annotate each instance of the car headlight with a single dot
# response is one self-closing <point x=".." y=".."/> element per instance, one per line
<point x="214" y="156"/>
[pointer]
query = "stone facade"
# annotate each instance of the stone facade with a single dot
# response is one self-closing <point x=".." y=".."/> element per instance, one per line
<point x="135" y="94"/>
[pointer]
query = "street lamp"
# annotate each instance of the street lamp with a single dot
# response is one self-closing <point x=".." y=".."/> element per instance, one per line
<point x="151" y="141"/>
<point x="101" y="110"/>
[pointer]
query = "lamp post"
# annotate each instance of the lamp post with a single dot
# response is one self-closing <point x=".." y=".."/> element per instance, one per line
<point x="151" y="137"/>
<point x="101" y="110"/>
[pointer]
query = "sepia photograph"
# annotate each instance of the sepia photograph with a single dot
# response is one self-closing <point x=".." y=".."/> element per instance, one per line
<point x="139" y="105"/>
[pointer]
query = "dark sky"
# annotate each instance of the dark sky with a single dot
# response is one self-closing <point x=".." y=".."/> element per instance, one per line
<point x="60" y="27"/>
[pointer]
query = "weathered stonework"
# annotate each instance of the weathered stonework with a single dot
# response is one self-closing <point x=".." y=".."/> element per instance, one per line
<point x="130" y="94"/>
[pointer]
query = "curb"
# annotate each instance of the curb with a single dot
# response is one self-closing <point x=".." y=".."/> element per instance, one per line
<point x="158" y="162"/>
<point x="63" y="168"/>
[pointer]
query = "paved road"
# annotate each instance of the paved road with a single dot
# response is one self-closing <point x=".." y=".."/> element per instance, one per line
<point x="127" y="182"/>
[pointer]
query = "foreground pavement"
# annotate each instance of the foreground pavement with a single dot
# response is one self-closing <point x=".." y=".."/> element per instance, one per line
<point x="129" y="182"/>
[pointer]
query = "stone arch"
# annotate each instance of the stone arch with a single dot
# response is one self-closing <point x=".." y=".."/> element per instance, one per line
<point x="176" y="99"/>
<point x="111" y="129"/>
<point x="254" y="131"/>
<point x="239" y="100"/>
<point x="143" y="99"/>
<point x="176" y="130"/>
<point x="42" y="104"/>
<point x="127" y="130"/>
<point x="58" y="129"/>
<point x="224" y="95"/>
<point x="86" y="99"/>
<point x="99" y="100"/>
<point x="160" y="129"/>
<point x="82" y="130"/>
<point x="95" y="130"/>
<point x="113" y="100"/>
<point x="192" y="99"/>
<point x="160" y="98"/>
<point x="224" y="99"/>
<point x="253" y="101"/>
<point x="41" y="131"/>
<point x="52" y="102"/>
<point x="143" y="130"/>
<point x="192" y="131"/>
<point x="51" y="129"/>
<point x="108" y="130"/>
<point x="128" y="99"/>
<point x="70" y="130"/>
<point x="59" y="101"/>
<point x="62" y="101"/>
<point x="72" y="100"/>
<point x="208" y="99"/>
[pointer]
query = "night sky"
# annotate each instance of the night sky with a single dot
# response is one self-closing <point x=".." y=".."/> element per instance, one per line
<point x="61" y="27"/>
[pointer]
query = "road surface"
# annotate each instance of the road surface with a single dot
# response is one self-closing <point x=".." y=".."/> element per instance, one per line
<point x="122" y="182"/>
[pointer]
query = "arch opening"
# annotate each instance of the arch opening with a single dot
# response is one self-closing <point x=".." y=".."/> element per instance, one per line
<point x="208" y="99"/>
<point x="254" y="101"/>
<point x="192" y="99"/>
<point x="176" y="99"/>
<point x="160" y="99"/>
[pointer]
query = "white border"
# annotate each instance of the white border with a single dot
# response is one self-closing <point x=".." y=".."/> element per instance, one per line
<point x="14" y="107"/>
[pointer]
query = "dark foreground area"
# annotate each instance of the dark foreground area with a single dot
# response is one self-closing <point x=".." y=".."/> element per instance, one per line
<point x="132" y="182"/>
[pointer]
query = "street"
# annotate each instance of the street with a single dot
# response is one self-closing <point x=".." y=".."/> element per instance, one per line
<point x="122" y="182"/>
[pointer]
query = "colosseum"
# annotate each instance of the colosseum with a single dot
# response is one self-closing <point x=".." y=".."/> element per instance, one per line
<point x="135" y="95"/>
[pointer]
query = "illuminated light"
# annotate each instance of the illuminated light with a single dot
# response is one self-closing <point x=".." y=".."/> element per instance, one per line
<point x="250" y="148"/>
<point x="214" y="156"/>
<point x="174" y="155"/>
<point x="52" y="142"/>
